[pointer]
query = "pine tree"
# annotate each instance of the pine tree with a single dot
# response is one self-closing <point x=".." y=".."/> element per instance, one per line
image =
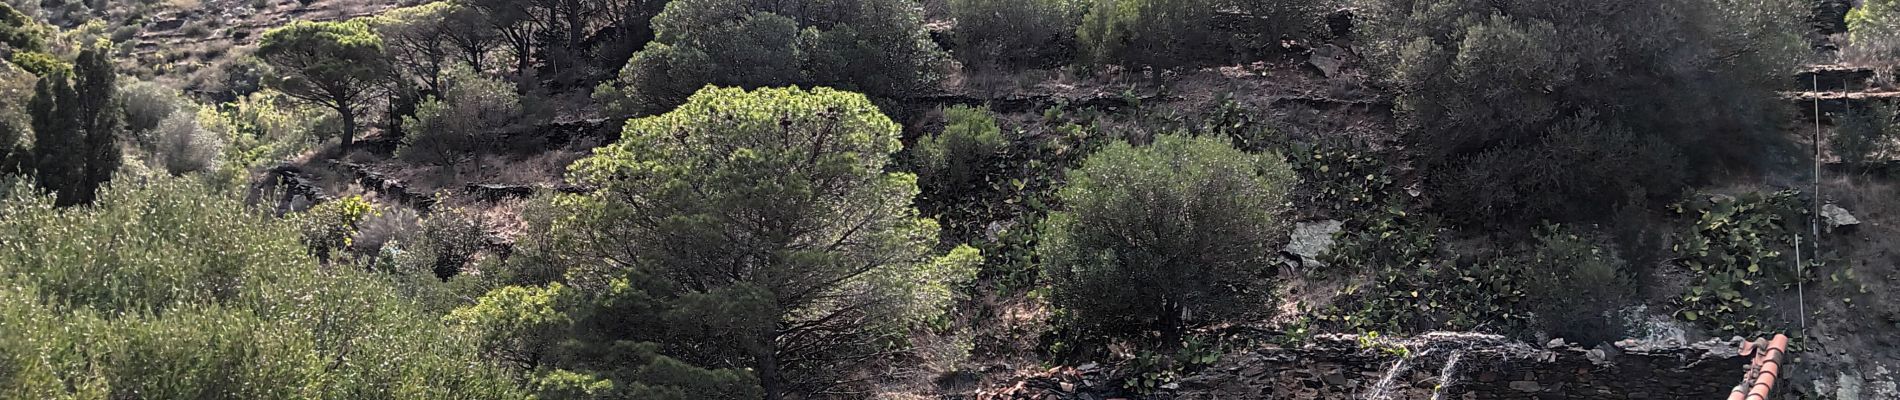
<point x="76" y="129"/>
<point x="97" y="86"/>
<point x="55" y="142"/>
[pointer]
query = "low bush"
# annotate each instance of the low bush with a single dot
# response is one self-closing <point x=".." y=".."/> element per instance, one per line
<point x="1576" y="280"/>
<point x="164" y="290"/>
<point x="1736" y="249"/>
<point x="181" y="145"/>
<point x="1162" y="237"/>
<point x="955" y="160"/>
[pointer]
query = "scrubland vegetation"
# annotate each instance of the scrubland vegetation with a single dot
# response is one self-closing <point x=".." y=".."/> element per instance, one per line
<point x="801" y="199"/>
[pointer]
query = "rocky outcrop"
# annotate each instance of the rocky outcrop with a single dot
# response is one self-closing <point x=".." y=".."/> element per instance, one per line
<point x="1431" y="366"/>
<point x="1308" y="241"/>
<point x="388" y="187"/>
<point x="288" y="188"/>
<point x="494" y="192"/>
<point x="1470" y="366"/>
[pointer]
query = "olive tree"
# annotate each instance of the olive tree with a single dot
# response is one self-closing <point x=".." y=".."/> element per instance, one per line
<point x="1155" y="238"/>
<point x="338" y="65"/>
<point x="752" y="237"/>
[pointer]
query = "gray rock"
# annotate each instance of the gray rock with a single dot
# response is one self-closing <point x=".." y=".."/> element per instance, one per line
<point x="1837" y="217"/>
<point x="1309" y="241"/>
<point x="1327" y="59"/>
<point x="1526" y="386"/>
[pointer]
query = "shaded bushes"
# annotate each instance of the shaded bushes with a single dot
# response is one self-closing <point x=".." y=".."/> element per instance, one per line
<point x="877" y="47"/>
<point x="1015" y="34"/>
<point x="1633" y="99"/>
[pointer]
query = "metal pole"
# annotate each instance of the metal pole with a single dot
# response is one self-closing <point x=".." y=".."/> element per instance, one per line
<point x="1814" y="220"/>
<point x="1801" y="295"/>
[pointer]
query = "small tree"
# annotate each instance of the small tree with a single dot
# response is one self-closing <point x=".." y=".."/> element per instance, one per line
<point x="1158" y="237"/>
<point x="332" y="64"/>
<point x="472" y="111"/>
<point x="769" y="237"/>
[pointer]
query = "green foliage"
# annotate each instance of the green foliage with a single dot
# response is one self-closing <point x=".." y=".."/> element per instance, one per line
<point x="1414" y="283"/>
<point x="1874" y="20"/>
<point x="328" y="227"/>
<point x="76" y="127"/>
<point x="264" y="128"/>
<point x="1735" y="248"/>
<point x="450" y="238"/>
<point x="166" y="291"/>
<point x="1148" y="371"/>
<point x="41" y="64"/>
<point x="180" y="144"/>
<point x="147" y="104"/>
<point x="1149" y="33"/>
<point x="473" y="111"/>
<point x="1342" y="179"/>
<point x="770" y="238"/>
<point x="333" y="64"/>
<point x="956" y="159"/>
<point x="1576" y="279"/>
<point x="19" y="32"/>
<point x="1562" y="110"/>
<point x="1152" y="235"/>
<point x="877" y="47"/>
<point x="1011" y="34"/>
<point x="516" y="324"/>
<point x="1866" y="137"/>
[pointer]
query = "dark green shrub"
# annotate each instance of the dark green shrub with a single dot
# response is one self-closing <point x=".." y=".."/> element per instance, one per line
<point x="1161" y="237"/>
<point x="1012" y="34"/>
<point x="1576" y="280"/>
<point x="831" y="266"/>
<point x="955" y="160"/>
<point x="1149" y="33"/>
<point x="1673" y="92"/>
<point x="1866" y="137"/>
<point x="877" y="47"/>
<point x="473" y="111"/>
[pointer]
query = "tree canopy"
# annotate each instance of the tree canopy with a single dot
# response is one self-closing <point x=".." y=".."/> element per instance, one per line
<point x="754" y="236"/>
<point x="332" y="64"/>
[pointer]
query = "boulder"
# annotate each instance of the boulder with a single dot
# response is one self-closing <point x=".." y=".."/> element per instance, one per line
<point x="1328" y="59"/>
<point x="1837" y="217"/>
<point x="1309" y="241"/>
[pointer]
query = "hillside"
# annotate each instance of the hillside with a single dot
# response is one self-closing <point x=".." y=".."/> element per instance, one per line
<point x="903" y="199"/>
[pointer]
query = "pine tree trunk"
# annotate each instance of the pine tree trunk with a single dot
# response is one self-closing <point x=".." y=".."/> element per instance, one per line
<point x="349" y="126"/>
<point x="768" y="372"/>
